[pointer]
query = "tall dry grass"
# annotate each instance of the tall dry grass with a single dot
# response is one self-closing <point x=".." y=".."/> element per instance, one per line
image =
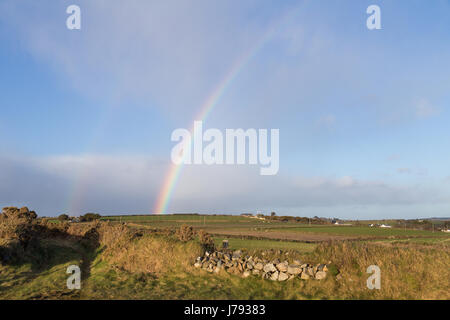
<point x="408" y="271"/>
<point x="151" y="253"/>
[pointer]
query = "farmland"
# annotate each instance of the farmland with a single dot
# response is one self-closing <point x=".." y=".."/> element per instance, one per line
<point x="245" y="227"/>
<point x="145" y="257"/>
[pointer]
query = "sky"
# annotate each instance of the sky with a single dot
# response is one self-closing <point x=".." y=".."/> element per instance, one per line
<point x="86" y="116"/>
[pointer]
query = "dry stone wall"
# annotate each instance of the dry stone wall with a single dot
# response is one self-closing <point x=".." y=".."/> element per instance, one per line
<point x="235" y="262"/>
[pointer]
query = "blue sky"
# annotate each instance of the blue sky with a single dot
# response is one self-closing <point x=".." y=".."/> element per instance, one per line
<point x="86" y="115"/>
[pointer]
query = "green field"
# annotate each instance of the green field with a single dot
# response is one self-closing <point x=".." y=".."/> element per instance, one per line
<point x="267" y="232"/>
<point x="144" y="257"/>
<point x="360" y="231"/>
<point x="200" y="221"/>
<point x="252" y="244"/>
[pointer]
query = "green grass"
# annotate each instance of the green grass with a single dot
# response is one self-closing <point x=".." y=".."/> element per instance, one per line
<point x="28" y="281"/>
<point x="420" y="240"/>
<point x="197" y="221"/>
<point x="252" y="244"/>
<point x="361" y="231"/>
<point x="155" y="266"/>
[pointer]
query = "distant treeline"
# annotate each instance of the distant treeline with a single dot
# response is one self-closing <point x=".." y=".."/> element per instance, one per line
<point x="84" y="218"/>
<point x="305" y="220"/>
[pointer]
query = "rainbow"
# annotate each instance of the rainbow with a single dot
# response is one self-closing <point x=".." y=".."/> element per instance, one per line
<point x="174" y="172"/>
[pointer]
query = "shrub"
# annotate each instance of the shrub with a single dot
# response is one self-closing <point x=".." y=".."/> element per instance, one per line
<point x="63" y="217"/>
<point x="206" y="240"/>
<point x="185" y="233"/>
<point x="15" y="223"/>
<point x="89" y="217"/>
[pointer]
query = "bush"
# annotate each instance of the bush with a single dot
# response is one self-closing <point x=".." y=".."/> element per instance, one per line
<point x="206" y="240"/>
<point x="185" y="233"/>
<point x="89" y="217"/>
<point x="63" y="217"/>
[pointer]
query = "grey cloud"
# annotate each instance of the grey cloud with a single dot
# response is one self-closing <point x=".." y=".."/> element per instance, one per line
<point x="121" y="185"/>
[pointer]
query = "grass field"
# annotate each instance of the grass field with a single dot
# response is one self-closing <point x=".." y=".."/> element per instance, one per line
<point x="144" y="259"/>
<point x="361" y="231"/>
<point x="252" y="244"/>
<point x="244" y="227"/>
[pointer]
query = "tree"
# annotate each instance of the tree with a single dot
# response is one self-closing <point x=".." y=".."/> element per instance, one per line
<point x="63" y="217"/>
<point x="273" y="214"/>
<point x="89" y="217"/>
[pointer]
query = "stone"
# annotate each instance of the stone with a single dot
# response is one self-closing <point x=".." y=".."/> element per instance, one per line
<point x="238" y="263"/>
<point x="282" y="266"/>
<point x="259" y="266"/>
<point x="274" y="276"/>
<point x="237" y="254"/>
<point x="304" y="276"/>
<point x="294" y="269"/>
<point x="246" y="274"/>
<point x="322" y="267"/>
<point x="321" y="275"/>
<point x="282" y="276"/>
<point x="269" y="268"/>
